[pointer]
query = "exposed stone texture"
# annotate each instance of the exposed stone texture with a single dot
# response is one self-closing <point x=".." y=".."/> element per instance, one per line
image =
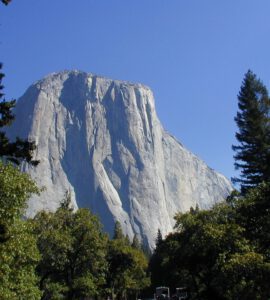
<point x="101" y="139"/>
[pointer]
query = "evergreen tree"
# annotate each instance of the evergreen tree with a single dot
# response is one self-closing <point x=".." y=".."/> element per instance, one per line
<point x="159" y="238"/>
<point x="136" y="243"/>
<point x="127" y="240"/>
<point x="118" y="233"/>
<point x="20" y="149"/>
<point x="252" y="152"/>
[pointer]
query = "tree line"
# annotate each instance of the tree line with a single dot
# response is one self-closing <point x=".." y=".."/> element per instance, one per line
<point x="63" y="254"/>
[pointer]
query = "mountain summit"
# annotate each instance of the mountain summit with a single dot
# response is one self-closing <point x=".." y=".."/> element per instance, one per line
<point x="101" y="140"/>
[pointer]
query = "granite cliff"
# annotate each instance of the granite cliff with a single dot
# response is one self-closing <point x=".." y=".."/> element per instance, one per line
<point x="102" y="140"/>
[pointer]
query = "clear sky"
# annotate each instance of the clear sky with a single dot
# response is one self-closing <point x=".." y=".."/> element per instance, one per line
<point x="192" y="53"/>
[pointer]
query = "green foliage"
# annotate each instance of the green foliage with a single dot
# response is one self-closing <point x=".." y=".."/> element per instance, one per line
<point x="244" y="276"/>
<point x="252" y="154"/>
<point x="15" y="189"/>
<point x="118" y="233"/>
<point x="18" y="251"/>
<point x="73" y="250"/>
<point x="68" y="249"/>
<point x="222" y="253"/>
<point x="136" y="243"/>
<point x="19" y="257"/>
<point x="20" y="149"/>
<point x="253" y="213"/>
<point x="127" y="266"/>
<point x="127" y="269"/>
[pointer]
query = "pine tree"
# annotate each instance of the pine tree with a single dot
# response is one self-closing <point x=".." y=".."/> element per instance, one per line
<point x="118" y="233"/>
<point x="20" y="149"/>
<point x="136" y="243"/>
<point x="252" y="152"/>
<point x="159" y="238"/>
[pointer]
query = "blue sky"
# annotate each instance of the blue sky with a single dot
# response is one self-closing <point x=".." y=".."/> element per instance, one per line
<point x="192" y="53"/>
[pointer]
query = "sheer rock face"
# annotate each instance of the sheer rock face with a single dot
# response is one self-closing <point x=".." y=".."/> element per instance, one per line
<point x="101" y="140"/>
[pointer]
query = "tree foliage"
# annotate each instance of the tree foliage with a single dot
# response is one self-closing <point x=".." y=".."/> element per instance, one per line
<point x="252" y="154"/>
<point x="136" y="243"/>
<point x="20" y="149"/>
<point x="127" y="266"/>
<point x="118" y="232"/>
<point x="73" y="250"/>
<point x="18" y="251"/>
<point x="15" y="189"/>
<point x="19" y="257"/>
<point x="253" y="213"/>
<point x="159" y="238"/>
<point x="221" y="253"/>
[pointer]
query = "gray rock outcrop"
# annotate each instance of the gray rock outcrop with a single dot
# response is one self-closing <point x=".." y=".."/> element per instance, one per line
<point x="101" y="140"/>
